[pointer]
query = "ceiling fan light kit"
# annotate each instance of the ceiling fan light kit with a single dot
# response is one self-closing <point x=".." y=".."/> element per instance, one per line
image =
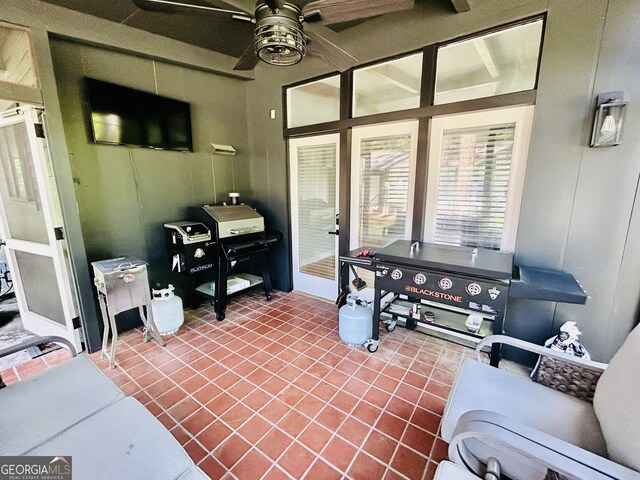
<point x="278" y="36"/>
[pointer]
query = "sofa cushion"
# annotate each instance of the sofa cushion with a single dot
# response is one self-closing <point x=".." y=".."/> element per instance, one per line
<point x="616" y="403"/>
<point x="124" y="441"/>
<point x="39" y="407"/>
<point x="481" y="387"/>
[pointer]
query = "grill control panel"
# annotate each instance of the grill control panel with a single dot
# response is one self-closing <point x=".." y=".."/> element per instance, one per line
<point x="485" y="296"/>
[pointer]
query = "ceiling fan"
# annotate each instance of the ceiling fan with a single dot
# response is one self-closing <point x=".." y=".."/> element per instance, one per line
<point x="279" y="38"/>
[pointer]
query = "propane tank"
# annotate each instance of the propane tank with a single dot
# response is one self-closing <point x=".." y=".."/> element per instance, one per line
<point x="167" y="310"/>
<point x="355" y="319"/>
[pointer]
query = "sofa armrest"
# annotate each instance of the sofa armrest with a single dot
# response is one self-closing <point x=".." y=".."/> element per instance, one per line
<point x="525" y="452"/>
<point x="32" y="342"/>
<point x="532" y="347"/>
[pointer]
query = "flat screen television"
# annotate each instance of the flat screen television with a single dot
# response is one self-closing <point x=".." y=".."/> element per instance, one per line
<point x="124" y="116"/>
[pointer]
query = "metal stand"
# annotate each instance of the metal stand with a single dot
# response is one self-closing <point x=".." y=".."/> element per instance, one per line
<point x="122" y="284"/>
<point x="258" y="259"/>
<point x="150" y="329"/>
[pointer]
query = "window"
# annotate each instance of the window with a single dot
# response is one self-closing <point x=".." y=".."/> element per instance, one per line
<point x="476" y="170"/>
<point x="315" y="102"/>
<point x="497" y="63"/>
<point x="19" y="179"/>
<point x="383" y="159"/>
<point x="16" y="62"/>
<point x="388" y="86"/>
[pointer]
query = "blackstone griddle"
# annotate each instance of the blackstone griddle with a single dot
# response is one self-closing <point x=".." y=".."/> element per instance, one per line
<point x="452" y="282"/>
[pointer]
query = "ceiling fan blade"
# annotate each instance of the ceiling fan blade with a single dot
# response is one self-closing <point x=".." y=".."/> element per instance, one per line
<point x="328" y="12"/>
<point x="170" y="6"/>
<point x="328" y="51"/>
<point x="275" y="4"/>
<point x="248" y="60"/>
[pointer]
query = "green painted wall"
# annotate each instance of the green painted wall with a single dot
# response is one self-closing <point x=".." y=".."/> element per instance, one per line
<point x="125" y="194"/>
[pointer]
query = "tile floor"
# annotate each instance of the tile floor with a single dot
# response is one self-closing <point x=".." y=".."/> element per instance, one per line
<point x="271" y="392"/>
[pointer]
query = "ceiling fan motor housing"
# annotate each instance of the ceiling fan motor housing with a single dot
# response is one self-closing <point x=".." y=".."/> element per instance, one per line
<point x="278" y="38"/>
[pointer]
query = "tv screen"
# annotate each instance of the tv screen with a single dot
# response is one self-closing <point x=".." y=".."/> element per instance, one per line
<point x="124" y="116"/>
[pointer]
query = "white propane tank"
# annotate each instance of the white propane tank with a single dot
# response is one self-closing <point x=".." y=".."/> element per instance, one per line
<point x="167" y="310"/>
<point x="355" y="319"/>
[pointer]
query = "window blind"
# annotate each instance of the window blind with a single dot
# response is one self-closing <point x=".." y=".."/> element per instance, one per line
<point x="473" y="183"/>
<point x="316" y="173"/>
<point x="15" y="152"/>
<point x="384" y="189"/>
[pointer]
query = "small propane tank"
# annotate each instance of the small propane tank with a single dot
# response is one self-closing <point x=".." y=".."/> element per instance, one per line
<point x="355" y="319"/>
<point x="167" y="310"/>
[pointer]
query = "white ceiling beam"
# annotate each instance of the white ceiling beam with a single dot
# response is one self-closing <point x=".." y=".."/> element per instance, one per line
<point x="481" y="47"/>
<point x="397" y="77"/>
<point x="92" y="30"/>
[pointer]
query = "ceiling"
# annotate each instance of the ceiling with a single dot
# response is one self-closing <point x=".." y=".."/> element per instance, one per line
<point x="217" y="34"/>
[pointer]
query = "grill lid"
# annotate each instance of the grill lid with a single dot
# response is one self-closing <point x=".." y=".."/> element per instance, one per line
<point x="119" y="264"/>
<point x="487" y="263"/>
<point x="230" y="213"/>
<point x="235" y="220"/>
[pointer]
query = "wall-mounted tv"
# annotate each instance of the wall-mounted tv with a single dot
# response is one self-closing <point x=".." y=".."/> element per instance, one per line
<point x="124" y="116"/>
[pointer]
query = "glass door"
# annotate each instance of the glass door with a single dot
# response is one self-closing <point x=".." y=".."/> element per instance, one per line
<point x="31" y="226"/>
<point x="383" y="162"/>
<point x="314" y="206"/>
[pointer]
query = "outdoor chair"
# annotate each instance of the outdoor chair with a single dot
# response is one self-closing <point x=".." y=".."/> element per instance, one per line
<point x="536" y="432"/>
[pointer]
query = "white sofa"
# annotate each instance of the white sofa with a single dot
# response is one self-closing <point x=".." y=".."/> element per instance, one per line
<point x="75" y="410"/>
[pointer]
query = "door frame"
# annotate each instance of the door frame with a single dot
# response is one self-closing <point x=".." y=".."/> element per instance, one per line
<point x="53" y="249"/>
<point x="328" y="289"/>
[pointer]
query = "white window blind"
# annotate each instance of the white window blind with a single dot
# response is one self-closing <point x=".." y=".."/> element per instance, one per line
<point x="317" y="209"/>
<point x="18" y="176"/>
<point x="473" y="185"/>
<point x="384" y="189"/>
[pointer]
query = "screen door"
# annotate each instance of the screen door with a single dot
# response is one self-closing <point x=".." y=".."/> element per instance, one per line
<point x="31" y="226"/>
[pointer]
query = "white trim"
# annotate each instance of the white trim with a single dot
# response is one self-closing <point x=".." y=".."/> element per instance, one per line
<point x="369" y="131"/>
<point x="523" y="118"/>
<point x="92" y="30"/>
<point x="310" y="284"/>
<point x="53" y="249"/>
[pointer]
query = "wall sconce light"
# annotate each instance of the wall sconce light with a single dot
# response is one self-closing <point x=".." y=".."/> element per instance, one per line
<point x="608" y="123"/>
<point x="218" y="149"/>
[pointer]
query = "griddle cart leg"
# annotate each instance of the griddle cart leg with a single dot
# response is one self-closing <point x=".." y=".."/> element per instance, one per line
<point x="494" y="356"/>
<point x="266" y="276"/>
<point x="220" y="303"/>
<point x="373" y="343"/>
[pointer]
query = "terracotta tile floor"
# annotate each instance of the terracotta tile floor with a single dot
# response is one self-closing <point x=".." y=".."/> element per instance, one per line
<point x="271" y="392"/>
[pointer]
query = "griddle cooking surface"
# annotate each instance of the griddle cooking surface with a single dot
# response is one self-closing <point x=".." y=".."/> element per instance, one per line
<point x="486" y="263"/>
